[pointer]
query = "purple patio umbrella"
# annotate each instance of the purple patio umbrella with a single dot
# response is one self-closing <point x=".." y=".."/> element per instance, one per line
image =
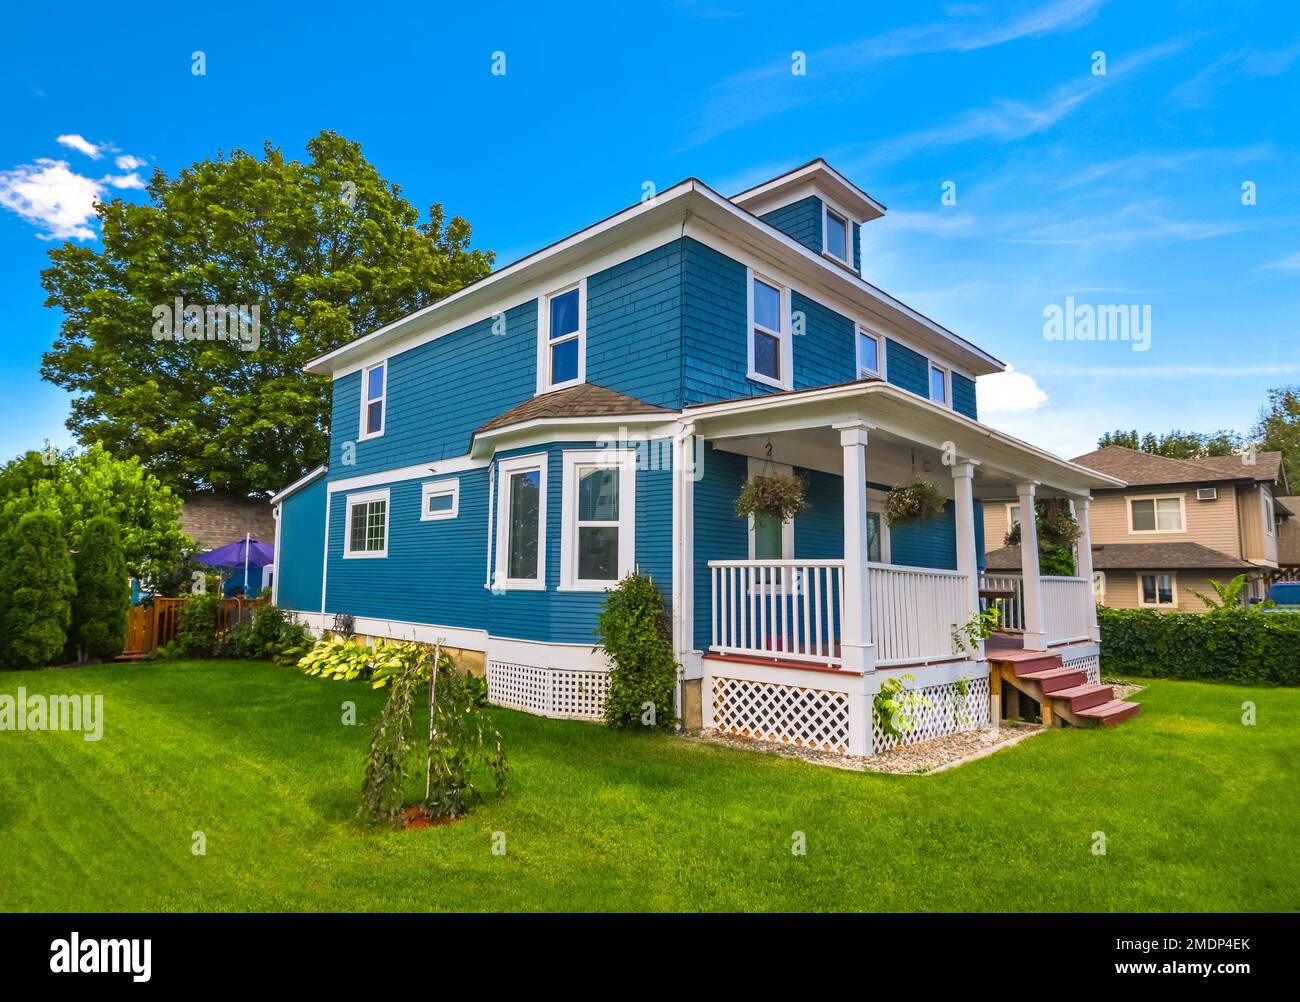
<point x="247" y="552"/>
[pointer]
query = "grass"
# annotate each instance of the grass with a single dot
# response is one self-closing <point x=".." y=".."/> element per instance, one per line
<point x="1199" y="812"/>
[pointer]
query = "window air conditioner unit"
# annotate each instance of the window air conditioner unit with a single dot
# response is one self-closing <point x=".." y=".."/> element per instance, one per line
<point x="1207" y="493"/>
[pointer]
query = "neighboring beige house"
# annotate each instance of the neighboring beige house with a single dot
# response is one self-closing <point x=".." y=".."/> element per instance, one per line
<point x="1177" y="525"/>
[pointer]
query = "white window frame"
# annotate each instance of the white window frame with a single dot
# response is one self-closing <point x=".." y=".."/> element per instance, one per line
<point x="947" y="383"/>
<point x="624" y="460"/>
<point x="544" y="343"/>
<point x="1270" y="513"/>
<point x="365" y="402"/>
<point x="1153" y="498"/>
<point x="1173" y="588"/>
<point x="827" y="212"/>
<point x="784" y="346"/>
<point x="505" y="469"/>
<point x="1011" y="522"/>
<point x="364" y="497"/>
<point x="1099" y="587"/>
<point x="879" y="338"/>
<point x="439" y="488"/>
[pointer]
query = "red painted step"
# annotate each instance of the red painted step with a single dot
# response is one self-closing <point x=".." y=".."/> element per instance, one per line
<point x="1053" y="680"/>
<point x="1041" y="662"/>
<point x="1112" y="713"/>
<point x="1082" y="697"/>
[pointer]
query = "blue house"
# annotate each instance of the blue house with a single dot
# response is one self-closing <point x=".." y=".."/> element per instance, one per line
<point x="502" y="457"/>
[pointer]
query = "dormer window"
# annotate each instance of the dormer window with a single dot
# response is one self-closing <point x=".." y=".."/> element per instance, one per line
<point x="836" y="233"/>
<point x="562" y="339"/>
<point x="374" y="394"/>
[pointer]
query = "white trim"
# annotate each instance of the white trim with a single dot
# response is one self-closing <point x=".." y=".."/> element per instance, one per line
<point x="297" y="485"/>
<point x="876" y="506"/>
<point x="545" y="431"/>
<point x="397" y="629"/>
<point x="491" y="534"/>
<point x="827" y="211"/>
<point x="439" y="488"/>
<point x="505" y="469"/>
<point x="1270" y="513"/>
<point x="363" y="433"/>
<point x="436" y="467"/>
<point x="325" y="553"/>
<point x="1155" y="514"/>
<point x="863" y="330"/>
<point x="946" y="372"/>
<point x="809" y="175"/>
<point x="624" y="460"/>
<point x="275" y="581"/>
<point x="1011" y="522"/>
<point x="365" y="497"/>
<point x="1173" y="588"/>
<point x="545" y="345"/>
<point x="785" y="350"/>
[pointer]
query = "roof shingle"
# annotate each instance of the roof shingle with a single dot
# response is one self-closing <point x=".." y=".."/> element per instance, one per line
<point x="1136" y="557"/>
<point x="1143" y="468"/>
<point x="583" y="400"/>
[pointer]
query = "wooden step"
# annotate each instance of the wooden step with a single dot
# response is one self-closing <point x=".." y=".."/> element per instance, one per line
<point x="1053" y="680"/>
<point x="1109" y="714"/>
<point x="1083" y="696"/>
<point x="1040" y="662"/>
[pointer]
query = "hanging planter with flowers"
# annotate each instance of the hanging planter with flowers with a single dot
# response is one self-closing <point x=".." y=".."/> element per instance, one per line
<point x="778" y="496"/>
<point x="913" y="502"/>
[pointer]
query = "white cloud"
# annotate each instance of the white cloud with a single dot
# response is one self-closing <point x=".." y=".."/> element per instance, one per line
<point x="1009" y="392"/>
<point x="49" y="195"/>
<point x="1289" y="263"/>
<point x="124" y="180"/>
<point x="128" y="162"/>
<point x="81" y="144"/>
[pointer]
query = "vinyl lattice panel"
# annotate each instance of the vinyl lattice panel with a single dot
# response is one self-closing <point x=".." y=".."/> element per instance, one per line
<point x="1090" y="664"/>
<point x="548" y="692"/>
<point x="947" y="713"/>
<point x="783" y="714"/>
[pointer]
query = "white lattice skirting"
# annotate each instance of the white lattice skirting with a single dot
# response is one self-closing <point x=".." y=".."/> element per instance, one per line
<point x="783" y="714"/>
<point x="947" y="713"/>
<point x="1090" y="663"/>
<point x="548" y="692"/>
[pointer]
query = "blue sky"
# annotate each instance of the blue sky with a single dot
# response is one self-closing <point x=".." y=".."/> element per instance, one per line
<point x="1122" y="188"/>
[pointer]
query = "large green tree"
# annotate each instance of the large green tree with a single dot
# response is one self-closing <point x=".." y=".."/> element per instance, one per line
<point x="1177" y="444"/>
<point x="1278" y="430"/>
<point x="81" y="486"/>
<point x="327" y="249"/>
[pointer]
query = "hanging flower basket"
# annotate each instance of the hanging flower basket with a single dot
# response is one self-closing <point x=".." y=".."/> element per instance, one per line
<point x="914" y="502"/>
<point x="778" y="497"/>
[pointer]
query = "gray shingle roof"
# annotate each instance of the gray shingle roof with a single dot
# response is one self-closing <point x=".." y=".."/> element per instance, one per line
<point x="1136" y="557"/>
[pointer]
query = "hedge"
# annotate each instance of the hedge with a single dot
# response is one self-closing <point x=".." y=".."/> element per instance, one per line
<point x="1228" y="645"/>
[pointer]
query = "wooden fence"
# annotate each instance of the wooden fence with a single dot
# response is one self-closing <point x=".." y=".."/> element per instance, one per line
<point x="150" y="626"/>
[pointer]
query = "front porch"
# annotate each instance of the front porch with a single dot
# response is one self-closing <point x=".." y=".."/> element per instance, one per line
<point x="823" y="630"/>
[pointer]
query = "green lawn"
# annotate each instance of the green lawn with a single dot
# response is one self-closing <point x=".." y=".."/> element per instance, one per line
<point x="1199" y="812"/>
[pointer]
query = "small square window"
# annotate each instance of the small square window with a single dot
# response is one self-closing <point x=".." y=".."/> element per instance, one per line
<point x="837" y="236"/>
<point x="1157" y="589"/>
<point x="439" y="500"/>
<point x="367" y="525"/>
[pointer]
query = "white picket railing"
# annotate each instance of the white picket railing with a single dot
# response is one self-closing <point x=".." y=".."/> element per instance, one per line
<point x="914" y="611"/>
<point x="792" y="609"/>
<point x="1013" y="608"/>
<point x="1067" y="609"/>
<point x="789" y="609"/>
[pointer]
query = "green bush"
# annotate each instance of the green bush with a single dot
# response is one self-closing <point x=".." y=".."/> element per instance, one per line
<point x="103" y="590"/>
<point x="636" y="633"/>
<point x="269" y="633"/>
<point x="196" y="626"/>
<point x="1240" y="645"/>
<point x="36" y="587"/>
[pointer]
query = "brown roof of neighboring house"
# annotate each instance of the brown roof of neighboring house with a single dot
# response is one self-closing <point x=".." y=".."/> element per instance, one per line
<point x="583" y="400"/>
<point x="1288" y="537"/>
<point x="1267" y="466"/>
<point x="1144" y="469"/>
<point x="213" y="520"/>
<point x="1135" y="557"/>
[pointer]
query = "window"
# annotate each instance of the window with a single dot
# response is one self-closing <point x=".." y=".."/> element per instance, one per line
<point x="868" y="354"/>
<point x="439" y="500"/>
<point x="769" y="342"/>
<point x="1156" y="514"/>
<point x="562" y="339"/>
<point x="938" y="384"/>
<point x="1270" y="517"/>
<point x="374" y="388"/>
<point x="1013" y="515"/>
<point x="877" y="528"/>
<point x="1156" y="589"/>
<point x="521" y="524"/>
<point x="770" y="538"/>
<point x="599" y="514"/>
<point x="367" y="525"/>
<point x="836" y="235"/>
<point x="1099" y="586"/>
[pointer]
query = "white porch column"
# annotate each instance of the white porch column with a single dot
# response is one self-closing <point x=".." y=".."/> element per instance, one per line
<point x="1085" y="565"/>
<point x="963" y="496"/>
<point x="857" y="653"/>
<point x="1035" y="635"/>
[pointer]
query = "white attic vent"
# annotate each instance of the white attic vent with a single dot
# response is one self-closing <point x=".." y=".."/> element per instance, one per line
<point x="1207" y="493"/>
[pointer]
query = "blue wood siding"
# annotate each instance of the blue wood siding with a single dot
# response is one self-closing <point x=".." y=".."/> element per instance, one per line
<point x="719" y="534"/>
<point x="819" y="531"/>
<point x="801" y="220"/>
<point x="907" y="368"/>
<point x="302" y="540"/>
<point x="963" y="395"/>
<point x="825" y="353"/>
<point x="857" y="248"/>
<point x="930" y="543"/>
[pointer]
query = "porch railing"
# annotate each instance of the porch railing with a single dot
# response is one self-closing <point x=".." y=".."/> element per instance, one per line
<point x="788" y="609"/>
<point x="1013" y="607"/>
<point x="792" y="610"/>
<point x="1067" y="609"/>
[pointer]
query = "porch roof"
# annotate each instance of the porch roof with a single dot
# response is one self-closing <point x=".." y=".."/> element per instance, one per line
<point x="911" y="425"/>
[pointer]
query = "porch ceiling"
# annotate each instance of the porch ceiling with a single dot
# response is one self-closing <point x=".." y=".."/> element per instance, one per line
<point x="906" y="434"/>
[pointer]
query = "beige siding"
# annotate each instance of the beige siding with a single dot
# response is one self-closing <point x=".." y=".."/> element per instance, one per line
<point x="1122" y="588"/>
<point x="1256" y="542"/>
<point x="996" y="525"/>
<point x="1210" y="523"/>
